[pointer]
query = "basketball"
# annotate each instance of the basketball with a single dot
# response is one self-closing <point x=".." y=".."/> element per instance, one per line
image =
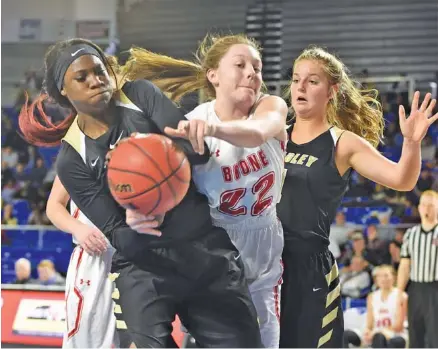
<point x="149" y="174"/>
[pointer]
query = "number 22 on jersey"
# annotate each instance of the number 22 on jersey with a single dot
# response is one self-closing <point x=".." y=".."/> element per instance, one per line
<point x="229" y="201"/>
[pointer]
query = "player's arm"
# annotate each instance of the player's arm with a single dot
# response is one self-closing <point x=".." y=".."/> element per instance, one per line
<point x="401" y="176"/>
<point x="91" y="240"/>
<point x="404" y="267"/>
<point x="164" y="113"/>
<point x="269" y="121"/>
<point x="93" y="199"/>
<point x="370" y="313"/>
<point x="401" y="312"/>
<point x="403" y="273"/>
<point x="365" y="159"/>
<point x="368" y="332"/>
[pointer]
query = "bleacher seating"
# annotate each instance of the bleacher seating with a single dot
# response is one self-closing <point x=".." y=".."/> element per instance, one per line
<point x="35" y="244"/>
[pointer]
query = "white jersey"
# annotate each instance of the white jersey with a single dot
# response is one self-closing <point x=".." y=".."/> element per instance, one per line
<point x="242" y="184"/>
<point x="89" y="292"/>
<point x="384" y="311"/>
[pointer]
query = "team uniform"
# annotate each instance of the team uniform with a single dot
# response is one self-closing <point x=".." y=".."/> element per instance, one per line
<point x="243" y="186"/>
<point x="420" y="246"/>
<point x="311" y="313"/>
<point x="384" y="313"/>
<point x="191" y="270"/>
<point x="88" y="290"/>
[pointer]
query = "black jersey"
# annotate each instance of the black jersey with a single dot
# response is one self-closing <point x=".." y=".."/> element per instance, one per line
<point x="141" y="107"/>
<point x="312" y="190"/>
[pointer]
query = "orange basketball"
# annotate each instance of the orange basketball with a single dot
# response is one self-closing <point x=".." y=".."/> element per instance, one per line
<point x="149" y="174"/>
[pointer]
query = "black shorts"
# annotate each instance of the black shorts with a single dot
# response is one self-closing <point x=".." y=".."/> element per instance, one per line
<point x="213" y="302"/>
<point x="311" y="311"/>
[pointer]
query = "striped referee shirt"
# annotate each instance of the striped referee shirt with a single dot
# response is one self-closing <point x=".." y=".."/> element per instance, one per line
<point x="421" y="247"/>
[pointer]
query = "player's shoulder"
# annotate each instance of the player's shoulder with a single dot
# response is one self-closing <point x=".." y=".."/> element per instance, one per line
<point x="139" y="86"/>
<point x="67" y="157"/>
<point x="200" y="112"/>
<point x="137" y="93"/>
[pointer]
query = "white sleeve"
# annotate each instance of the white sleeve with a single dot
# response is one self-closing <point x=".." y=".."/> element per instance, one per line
<point x="200" y="112"/>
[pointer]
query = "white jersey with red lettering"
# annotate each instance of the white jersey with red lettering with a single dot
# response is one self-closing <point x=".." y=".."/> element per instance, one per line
<point x="385" y="310"/>
<point x="243" y="186"/>
<point x="90" y="319"/>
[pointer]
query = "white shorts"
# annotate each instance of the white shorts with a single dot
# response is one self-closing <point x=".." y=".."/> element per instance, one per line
<point x="261" y="248"/>
<point x="90" y="318"/>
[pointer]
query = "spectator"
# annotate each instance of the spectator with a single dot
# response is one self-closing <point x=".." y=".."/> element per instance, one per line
<point x="38" y="215"/>
<point x="386" y="314"/>
<point x="395" y="246"/>
<point x="22" y="272"/>
<point x="341" y="230"/>
<point x="47" y="274"/>
<point x="362" y="188"/>
<point x="356" y="280"/>
<point x="9" y="156"/>
<point x="7" y="173"/>
<point x="38" y="173"/>
<point x="8" y="216"/>
<point x="358" y="248"/>
<point x="377" y="249"/>
<point x="428" y="149"/>
<point x="9" y="191"/>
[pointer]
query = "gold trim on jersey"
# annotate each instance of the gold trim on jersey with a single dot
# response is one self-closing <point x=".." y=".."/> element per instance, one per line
<point x="336" y="133"/>
<point x="73" y="136"/>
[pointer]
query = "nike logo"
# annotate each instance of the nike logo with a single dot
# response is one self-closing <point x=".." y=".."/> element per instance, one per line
<point x="316" y="289"/>
<point x="93" y="163"/>
<point x="76" y="52"/>
<point x="112" y="146"/>
<point x="237" y="257"/>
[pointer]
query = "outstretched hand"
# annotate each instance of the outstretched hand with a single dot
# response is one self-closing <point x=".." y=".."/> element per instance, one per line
<point x="415" y="127"/>
<point x="193" y="130"/>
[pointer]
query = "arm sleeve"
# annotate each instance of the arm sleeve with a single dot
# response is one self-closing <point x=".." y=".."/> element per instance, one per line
<point x="94" y="200"/>
<point x="163" y="112"/>
<point x="404" y="252"/>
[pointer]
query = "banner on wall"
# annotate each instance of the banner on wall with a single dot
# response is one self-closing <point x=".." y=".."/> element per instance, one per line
<point x="38" y="318"/>
<point x="30" y="29"/>
<point x="93" y="30"/>
<point x="32" y="317"/>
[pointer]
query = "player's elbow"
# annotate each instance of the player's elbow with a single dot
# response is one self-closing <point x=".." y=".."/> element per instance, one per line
<point x="260" y="137"/>
<point x="398" y="328"/>
<point x="405" y="184"/>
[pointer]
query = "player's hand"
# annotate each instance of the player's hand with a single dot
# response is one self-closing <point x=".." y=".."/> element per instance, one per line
<point x="415" y="127"/>
<point x="144" y="224"/>
<point x="367" y="336"/>
<point x="194" y="130"/>
<point x="91" y="240"/>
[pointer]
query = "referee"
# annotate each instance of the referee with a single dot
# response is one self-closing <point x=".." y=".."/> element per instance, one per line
<point x="419" y="263"/>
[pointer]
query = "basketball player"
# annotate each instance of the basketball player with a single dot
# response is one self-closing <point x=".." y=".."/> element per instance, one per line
<point x="246" y="134"/>
<point x="336" y="129"/>
<point x="97" y="255"/>
<point x="386" y="313"/>
<point x="192" y="269"/>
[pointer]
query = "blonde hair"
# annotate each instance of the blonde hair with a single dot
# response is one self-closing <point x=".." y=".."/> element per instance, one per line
<point x="178" y="77"/>
<point x="388" y="267"/>
<point x="46" y="263"/>
<point x="430" y="193"/>
<point x="351" y="109"/>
